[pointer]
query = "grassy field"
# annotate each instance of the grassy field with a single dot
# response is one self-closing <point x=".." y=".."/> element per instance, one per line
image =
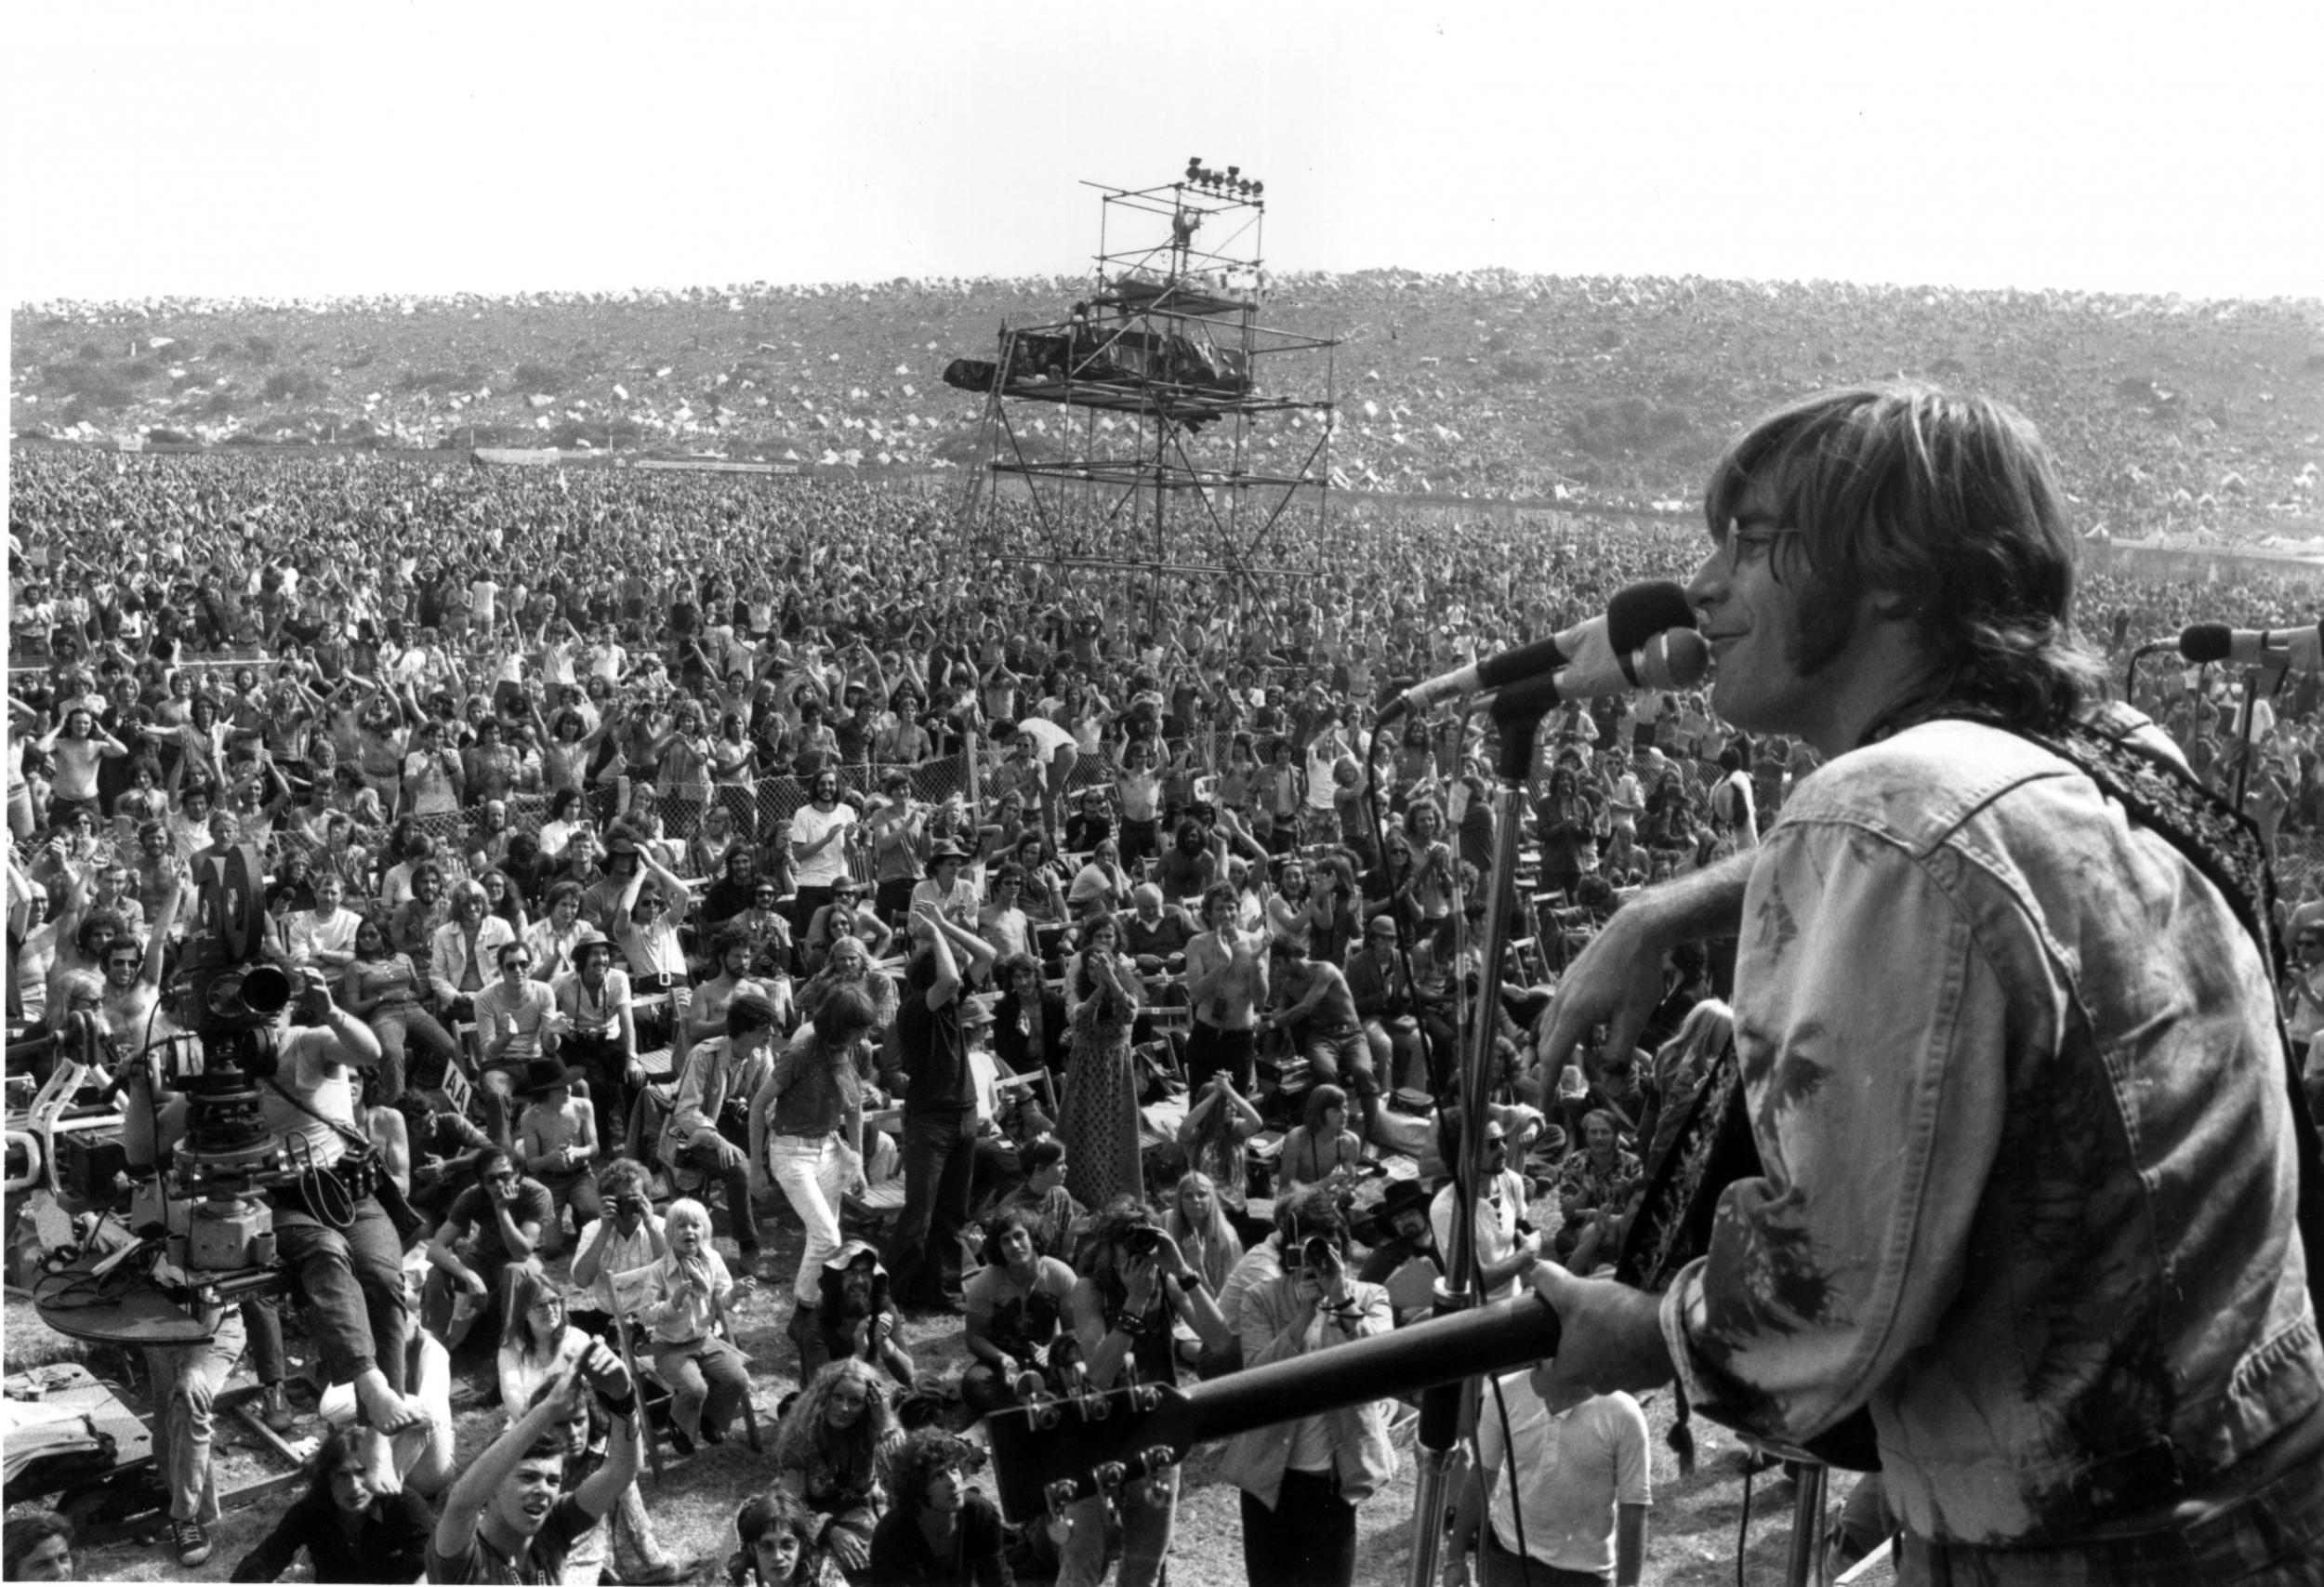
<point x="1692" y="1532"/>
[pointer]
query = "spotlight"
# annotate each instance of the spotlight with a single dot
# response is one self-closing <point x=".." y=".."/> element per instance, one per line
<point x="1257" y="190"/>
<point x="1193" y="167"/>
<point x="1233" y="172"/>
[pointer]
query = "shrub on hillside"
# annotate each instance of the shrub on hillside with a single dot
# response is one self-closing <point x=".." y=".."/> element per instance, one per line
<point x="263" y="348"/>
<point x="538" y="379"/>
<point x="294" y="386"/>
<point x="1630" y="426"/>
<point x="96" y="386"/>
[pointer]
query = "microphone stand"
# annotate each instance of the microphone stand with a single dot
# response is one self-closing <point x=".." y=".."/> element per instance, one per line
<point x="1449" y="1408"/>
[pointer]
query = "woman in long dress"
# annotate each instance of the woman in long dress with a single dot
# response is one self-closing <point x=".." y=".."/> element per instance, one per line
<point x="1099" y="1112"/>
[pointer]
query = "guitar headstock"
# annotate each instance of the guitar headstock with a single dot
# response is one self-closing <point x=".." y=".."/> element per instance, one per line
<point x="1055" y="1450"/>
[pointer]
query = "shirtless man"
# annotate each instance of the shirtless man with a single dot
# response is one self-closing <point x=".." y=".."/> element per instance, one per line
<point x="1315" y="995"/>
<point x="1226" y="975"/>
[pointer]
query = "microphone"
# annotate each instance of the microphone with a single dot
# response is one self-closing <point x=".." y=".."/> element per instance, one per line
<point x="1602" y="651"/>
<point x="2300" y="649"/>
<point x="1675" y="658"/>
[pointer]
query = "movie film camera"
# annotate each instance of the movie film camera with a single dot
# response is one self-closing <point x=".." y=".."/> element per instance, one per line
<point x="202" y="1231"/>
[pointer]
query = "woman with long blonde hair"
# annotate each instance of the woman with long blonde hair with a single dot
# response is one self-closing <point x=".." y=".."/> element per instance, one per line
<point x="832" y="1451"/>
<point x="1197" y="1221"/>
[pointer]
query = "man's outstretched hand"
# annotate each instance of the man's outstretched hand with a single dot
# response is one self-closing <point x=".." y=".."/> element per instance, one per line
<point x="1609" y="1335"/>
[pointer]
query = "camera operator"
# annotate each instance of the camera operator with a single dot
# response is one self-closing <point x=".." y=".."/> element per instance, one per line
<point x="350" y="1271"/>
<point x="1301" y="1479"/>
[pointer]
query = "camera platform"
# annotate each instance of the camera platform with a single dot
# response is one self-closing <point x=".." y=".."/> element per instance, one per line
<point x="125" y="1307"/>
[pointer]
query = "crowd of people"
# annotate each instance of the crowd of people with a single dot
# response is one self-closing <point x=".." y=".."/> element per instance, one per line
<point x="2171" y="418"/>
<point x="636" y="843"/>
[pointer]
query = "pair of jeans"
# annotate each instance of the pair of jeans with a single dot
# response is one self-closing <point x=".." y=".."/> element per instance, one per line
<point x="398" y="1026"/>
<point x="1343" y="1057"/>
<point x="1308" y="1540"/>
<point x="353" y="1283"/>
<point x="606" y="1061"/>
<point x="1149" y="1510"/>
<point x="1211" y="1049"/>
<point x="713" y="1153"/>
<point x="707" y="1382"/>
<point x="187" y="1379"/>
<point x="939" y="1161"/>
<point x="813" y="1172"/>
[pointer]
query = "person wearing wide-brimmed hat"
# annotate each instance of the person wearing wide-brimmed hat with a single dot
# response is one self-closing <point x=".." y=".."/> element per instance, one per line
<point x="557" y="1144"/>
<point x="1400" y="1233"/>
<point x="948" y="885"/>
<point x="851" y="1315"/>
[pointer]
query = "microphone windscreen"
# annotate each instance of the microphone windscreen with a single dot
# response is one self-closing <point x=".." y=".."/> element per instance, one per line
<point x="1641" y="611"/>
<point x="2206" y="641"/>
<point x="1676" y="659"/>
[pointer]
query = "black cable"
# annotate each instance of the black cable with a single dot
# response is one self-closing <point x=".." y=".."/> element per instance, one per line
<point x="1743" y="1523"/>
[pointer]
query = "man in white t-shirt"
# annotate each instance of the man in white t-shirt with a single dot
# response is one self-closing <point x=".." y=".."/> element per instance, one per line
<point x="1505" y="1254"/>
<point x="819" y="840"/>
<point x="1584" y="1484"/>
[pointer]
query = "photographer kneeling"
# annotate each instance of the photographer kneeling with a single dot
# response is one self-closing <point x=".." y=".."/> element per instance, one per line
<point x="1302" y="1479"/>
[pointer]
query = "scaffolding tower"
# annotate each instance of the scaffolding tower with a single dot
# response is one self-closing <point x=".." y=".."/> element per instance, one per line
<point x="1177" y="413"/>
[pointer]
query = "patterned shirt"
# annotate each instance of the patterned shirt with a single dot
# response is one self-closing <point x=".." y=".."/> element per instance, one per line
<point x="2028" y="1177"/>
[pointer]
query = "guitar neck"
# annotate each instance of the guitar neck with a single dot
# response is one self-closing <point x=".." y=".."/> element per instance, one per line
<point x="1144" y="1427"/>
<point x="1489" y="1340"/>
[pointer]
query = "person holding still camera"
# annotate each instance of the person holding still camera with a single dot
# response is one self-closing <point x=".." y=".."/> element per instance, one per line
<point x="1302" y="1479"/>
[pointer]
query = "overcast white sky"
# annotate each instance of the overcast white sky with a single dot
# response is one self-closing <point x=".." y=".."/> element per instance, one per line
<point x="427" y="146"/>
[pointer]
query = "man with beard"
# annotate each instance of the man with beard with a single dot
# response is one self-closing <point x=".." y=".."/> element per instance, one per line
<point x="508" y="1517"/>
<point x="820" y="835"/>
<point x="854" y="1317"/>
<point x="1016" y="1310"/>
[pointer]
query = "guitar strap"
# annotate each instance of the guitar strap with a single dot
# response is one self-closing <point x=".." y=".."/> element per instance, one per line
<point x="2224" y="845"/>
<point x="1714" y="1147"/>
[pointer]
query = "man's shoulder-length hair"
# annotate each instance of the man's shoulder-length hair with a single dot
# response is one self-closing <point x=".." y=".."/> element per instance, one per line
<point x="1950" y="505"/>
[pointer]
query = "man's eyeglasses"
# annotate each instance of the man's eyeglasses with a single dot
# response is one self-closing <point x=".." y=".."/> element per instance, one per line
<point x="505" y="1176"/>
<point x="1745" y="547"/>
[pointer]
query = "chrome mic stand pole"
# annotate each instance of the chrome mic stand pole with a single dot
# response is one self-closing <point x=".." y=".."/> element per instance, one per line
<point x="1449" y="1409"/>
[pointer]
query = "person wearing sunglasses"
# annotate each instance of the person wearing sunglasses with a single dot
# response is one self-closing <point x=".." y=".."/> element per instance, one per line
<point x="494" y="1224"/>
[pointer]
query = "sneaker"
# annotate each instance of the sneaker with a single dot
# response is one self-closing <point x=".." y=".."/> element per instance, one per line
<point x="274" y="1409"/>
<point x="680" y="1442"/>
<point x="190" y="1542"/>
